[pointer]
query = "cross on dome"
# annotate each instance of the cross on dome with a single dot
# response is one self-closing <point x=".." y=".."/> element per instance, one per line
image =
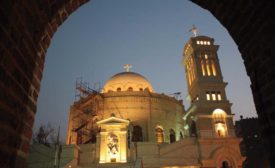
<point x="127" y="67"/>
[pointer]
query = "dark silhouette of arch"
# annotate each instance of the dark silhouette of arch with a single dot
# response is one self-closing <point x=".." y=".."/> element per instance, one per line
<point x="193" y="129"/>
<point x="172" y="136"/>
<point x="137" y="134"/>
<point x="225" y="164"/>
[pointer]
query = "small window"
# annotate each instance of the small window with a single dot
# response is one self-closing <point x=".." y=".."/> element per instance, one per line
<point x="213" y="96"/>
<point x="118" y="89"/>
<point x="207" y="96"/>
<point x="140" y="89"/>
<point x="159" y="134"/>
<point x="219" y="96"/>
<point x="130" y="89"/>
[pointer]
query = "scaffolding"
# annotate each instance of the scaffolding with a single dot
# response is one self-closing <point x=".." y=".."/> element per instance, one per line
<point x="84" y="118"/>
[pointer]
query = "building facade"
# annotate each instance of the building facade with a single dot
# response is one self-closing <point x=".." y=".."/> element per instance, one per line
<point x="127" y="124"/>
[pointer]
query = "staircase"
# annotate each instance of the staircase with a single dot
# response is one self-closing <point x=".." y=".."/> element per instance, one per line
<point x="108" y="165"/>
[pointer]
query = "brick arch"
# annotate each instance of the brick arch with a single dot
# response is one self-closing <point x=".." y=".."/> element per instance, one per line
<point x="26" y="29"/>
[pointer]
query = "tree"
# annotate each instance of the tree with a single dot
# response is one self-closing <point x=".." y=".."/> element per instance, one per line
<point x="45" y="135"/>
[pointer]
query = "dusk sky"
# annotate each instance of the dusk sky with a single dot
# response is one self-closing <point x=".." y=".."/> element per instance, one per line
<point x="100" y="37"/>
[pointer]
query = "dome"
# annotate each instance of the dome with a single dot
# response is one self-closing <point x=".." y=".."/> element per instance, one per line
<point x="127" y="81"/>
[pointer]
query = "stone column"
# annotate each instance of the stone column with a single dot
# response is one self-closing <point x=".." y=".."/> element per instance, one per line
<point x="123" y="146"/>
<point x="103" y="152"/>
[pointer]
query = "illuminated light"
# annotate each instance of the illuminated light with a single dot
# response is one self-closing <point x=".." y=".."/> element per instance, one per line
<point x="203" y="68"/>
<point x="192" y="69"/>
<point x="208" y="42"/>
<point x="219" y="96"/>
<point x="213" y="96"/>
<point x="159" y="134"/>
<point x="201" y="42"/>
<point x="213" y="68"/>
<point x="220" y="123"/>
<point x="198" y="42"/>
<point x="207" y="96"/>
<point x="204" y="42"/>
<point x="208" y="68"/>
<point x="220" y="129"/>
<point x="205" y="56"/>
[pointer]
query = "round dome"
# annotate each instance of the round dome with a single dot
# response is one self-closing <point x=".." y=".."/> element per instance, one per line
<point x="127" y="81"/>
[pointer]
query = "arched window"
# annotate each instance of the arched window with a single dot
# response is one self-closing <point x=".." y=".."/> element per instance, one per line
<point x="213" y="68"/>
<point x="159" y="134"/>
<point x="172" y="136"/>
<point x="130" y="89"/>
<point x="225" y="164"/>
<point x="219" y="119"/>
<point x="140" y="89"/>
<point x="208" y="68"/>
<point x="137" y="134"/>
<point x="203" y="68"/>
<point x="118" y="89"/>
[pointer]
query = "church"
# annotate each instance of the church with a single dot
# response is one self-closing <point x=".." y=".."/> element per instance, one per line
<point x="127" y="124"/>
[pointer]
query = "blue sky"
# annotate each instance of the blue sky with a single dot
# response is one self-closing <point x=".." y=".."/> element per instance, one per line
<point x="99" y="38"/>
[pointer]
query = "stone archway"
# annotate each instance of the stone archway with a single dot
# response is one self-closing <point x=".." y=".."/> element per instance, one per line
<point x="26" y="29"/>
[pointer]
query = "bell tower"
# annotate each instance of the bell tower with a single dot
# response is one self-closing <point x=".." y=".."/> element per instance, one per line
<point x="209" y="114"/>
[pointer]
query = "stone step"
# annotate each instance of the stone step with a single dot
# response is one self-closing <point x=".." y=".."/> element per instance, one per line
<point x="108" y="165"/>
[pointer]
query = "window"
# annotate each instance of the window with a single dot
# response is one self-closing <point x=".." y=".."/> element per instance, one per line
<point x="137" y="134"/>
<point x="202" y="68"/>
<point x="219" y="96"/>
<point x="207" y="96"/>
<point x="219" y="120"/>
<point x="172" y="136"/>
<point x="130" y="89"/>
<point x="225" y="164"/>
<point x="118" y="89"/>
<point x="159" y="134"/>
<point x="213" y="68"/>
<point x="208" y="42"/>
<point x="213" y="96"/>
<point x="140" y="89"/>
<point x="208" y="68"/>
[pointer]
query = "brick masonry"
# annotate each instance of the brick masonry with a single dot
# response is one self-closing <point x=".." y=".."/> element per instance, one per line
<point x="26" y="29"/>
